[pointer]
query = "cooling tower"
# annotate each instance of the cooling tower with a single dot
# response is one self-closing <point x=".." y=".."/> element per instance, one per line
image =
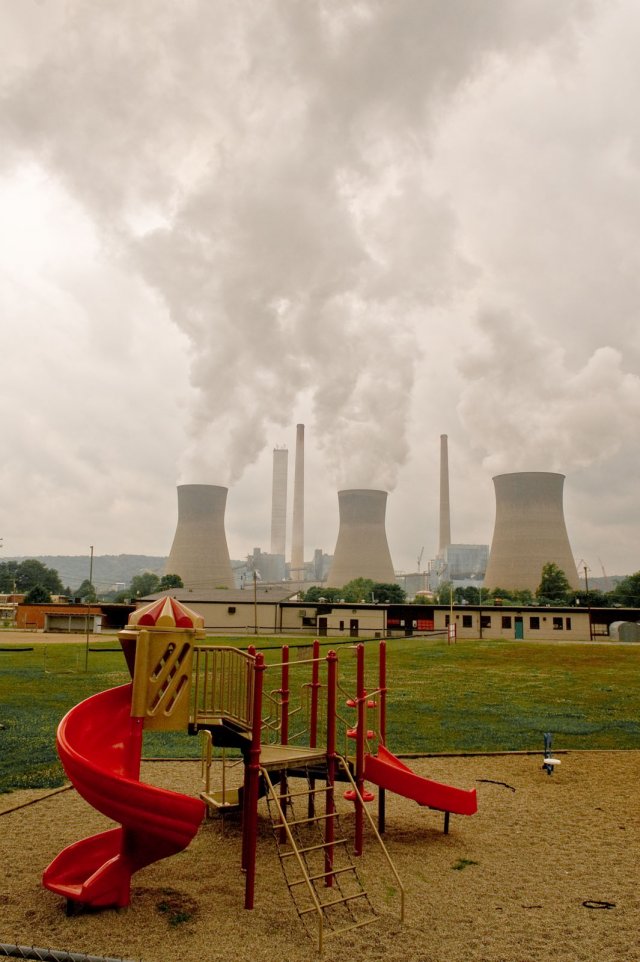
<point x="529" y="531"/>
<point x="199" y="553"/>
<point x="361" y="549"/>
<point x="445" y="513"/>
<point x="279" y="501"/>
<point x="297" y="526"/>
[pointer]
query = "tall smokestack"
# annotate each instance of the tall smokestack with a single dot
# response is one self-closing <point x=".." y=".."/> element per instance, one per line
<point x="362" y="550"/>
<point x="297" y="527"/>
<point x="199" y="553"/>
<point x="279" y="501"/>
<point x="529" y="531"/>
<point x="445" y="513"/>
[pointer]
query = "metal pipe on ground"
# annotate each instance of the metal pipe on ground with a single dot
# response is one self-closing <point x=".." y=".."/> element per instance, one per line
<point x="52" y="955"/>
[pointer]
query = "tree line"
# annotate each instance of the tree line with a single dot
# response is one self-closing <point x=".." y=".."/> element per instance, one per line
<point x="40" y="583"/>
<point x="554" y="589"/>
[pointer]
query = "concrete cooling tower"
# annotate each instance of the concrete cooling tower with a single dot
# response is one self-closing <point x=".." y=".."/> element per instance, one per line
<point x="361" y="549"/>
<point x="529" y="531"/>
<point x="199" y="553"/>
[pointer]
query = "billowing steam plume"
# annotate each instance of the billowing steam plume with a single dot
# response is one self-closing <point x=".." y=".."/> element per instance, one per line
<point x="264" y="166"/>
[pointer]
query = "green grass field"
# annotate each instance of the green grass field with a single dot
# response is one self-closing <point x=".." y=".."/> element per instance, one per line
<point x="472" y="696"/>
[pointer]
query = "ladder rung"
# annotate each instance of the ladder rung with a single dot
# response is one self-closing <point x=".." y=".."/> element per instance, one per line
<point x="328" y="905"/>
<point x="309" y="791"/>
<point x="356" y="925"/>
<point x="314" y="818"/>
<point x="313" y="848"/>
<point x="314" y="878"/>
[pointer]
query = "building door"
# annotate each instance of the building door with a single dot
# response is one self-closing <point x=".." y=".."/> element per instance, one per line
<point x="322" y="627"/>
<point x="519" y="625"/>
<point x="353" y="628"/>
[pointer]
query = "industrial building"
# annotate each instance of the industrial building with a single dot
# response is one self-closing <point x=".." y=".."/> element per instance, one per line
<point x="273" y="610"/>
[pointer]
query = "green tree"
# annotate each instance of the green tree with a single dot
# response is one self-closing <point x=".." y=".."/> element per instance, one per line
<point x="627" y="592"/>
<point x="389" y="593"/>
<point x="38" y="595"/>
<point x="31" y="573"/>
<point x="554" y="585"/>
<point x="443" y="593"/>
<point x="359" y="589"/>
<point x="170" y="581"/>
<point x="8" y="571"/>
<point x="522" y="596"/>
<point x="320" y="592"/>
<point x="86" y="592"/>
<point x="144" y="584"/>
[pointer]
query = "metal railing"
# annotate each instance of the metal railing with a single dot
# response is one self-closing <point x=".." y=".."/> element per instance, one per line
<point x="222" y="685"/>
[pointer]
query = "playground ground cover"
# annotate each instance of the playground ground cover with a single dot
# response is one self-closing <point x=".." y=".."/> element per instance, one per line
<point x="474" y="696"/>
<point x="546" y="871"/>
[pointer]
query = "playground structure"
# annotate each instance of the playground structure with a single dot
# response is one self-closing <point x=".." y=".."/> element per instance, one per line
<point x="293" y="734"/>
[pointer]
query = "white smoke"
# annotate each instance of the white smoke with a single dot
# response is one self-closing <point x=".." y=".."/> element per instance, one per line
<point x="534" y="409"/>
<point x="264" y="166"/>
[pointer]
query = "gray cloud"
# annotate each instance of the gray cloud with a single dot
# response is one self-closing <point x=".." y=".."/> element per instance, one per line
<point x="318" y="198"/>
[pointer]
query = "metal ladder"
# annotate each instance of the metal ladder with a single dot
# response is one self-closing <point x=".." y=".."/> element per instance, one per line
<point x="321" y="875"/>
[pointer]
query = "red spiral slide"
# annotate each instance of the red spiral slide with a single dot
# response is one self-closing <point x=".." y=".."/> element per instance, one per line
<point x="99" y="744"/>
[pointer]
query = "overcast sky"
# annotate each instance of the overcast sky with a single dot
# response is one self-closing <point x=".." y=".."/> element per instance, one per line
<point x="386" y="219"/>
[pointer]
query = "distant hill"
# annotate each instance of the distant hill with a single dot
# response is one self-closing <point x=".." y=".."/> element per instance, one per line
<point x="108" y="569"/>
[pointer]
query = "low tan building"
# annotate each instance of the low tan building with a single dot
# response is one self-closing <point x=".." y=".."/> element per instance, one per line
<point x="59" y="617"/>
<point x="527" y="624"/>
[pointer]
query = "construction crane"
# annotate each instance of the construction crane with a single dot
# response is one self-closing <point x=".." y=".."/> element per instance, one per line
<point x="420" y="559"/>
<point x="607" y="586"/>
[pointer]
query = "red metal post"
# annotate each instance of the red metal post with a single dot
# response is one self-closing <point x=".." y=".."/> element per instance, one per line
<point x="133" y="755"/>
<point x="332" y="693"/>
<point x="382" y="701"/>
<point x="313" y="719"/>
<point x="251" y="787"/>
<point x="284" y="697"/>
<point x="284" y="731"/>
<point x="360" y="737"/>
<point x="315" y="689"/>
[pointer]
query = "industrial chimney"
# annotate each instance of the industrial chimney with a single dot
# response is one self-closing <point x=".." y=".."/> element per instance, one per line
<point x="279" y="501"/>
<point x="445" y="512"/>
<point x="199" y="553"/>
<point x="297" y="528"/>
<point x="529" y="531"/>
<point x="362" y="550"/>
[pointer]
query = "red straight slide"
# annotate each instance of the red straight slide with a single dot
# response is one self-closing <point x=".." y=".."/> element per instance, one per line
<point x="387" y="771"/>
<point x="99" y="746"/>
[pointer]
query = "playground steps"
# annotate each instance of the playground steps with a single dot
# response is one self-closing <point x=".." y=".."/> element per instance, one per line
<point x="320" y="874"/>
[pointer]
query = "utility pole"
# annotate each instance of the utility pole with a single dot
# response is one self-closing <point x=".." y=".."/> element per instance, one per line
<point x="86" y="647"/>
<point x="255" y="601"/>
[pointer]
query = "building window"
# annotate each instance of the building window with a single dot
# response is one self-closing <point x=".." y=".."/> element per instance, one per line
<point x="485" y="621"/>
<point x="446" y="621"/>
<point x="231" y="610"/>
<point x="308" y="622"/>
<point x="467" y="621"/>
<point x="534" y="622"/>
<point x="557" y="624"/>
<point x="342" y="626"/>
<point x="568" y="624"/>
<point x="506" y="621"/>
